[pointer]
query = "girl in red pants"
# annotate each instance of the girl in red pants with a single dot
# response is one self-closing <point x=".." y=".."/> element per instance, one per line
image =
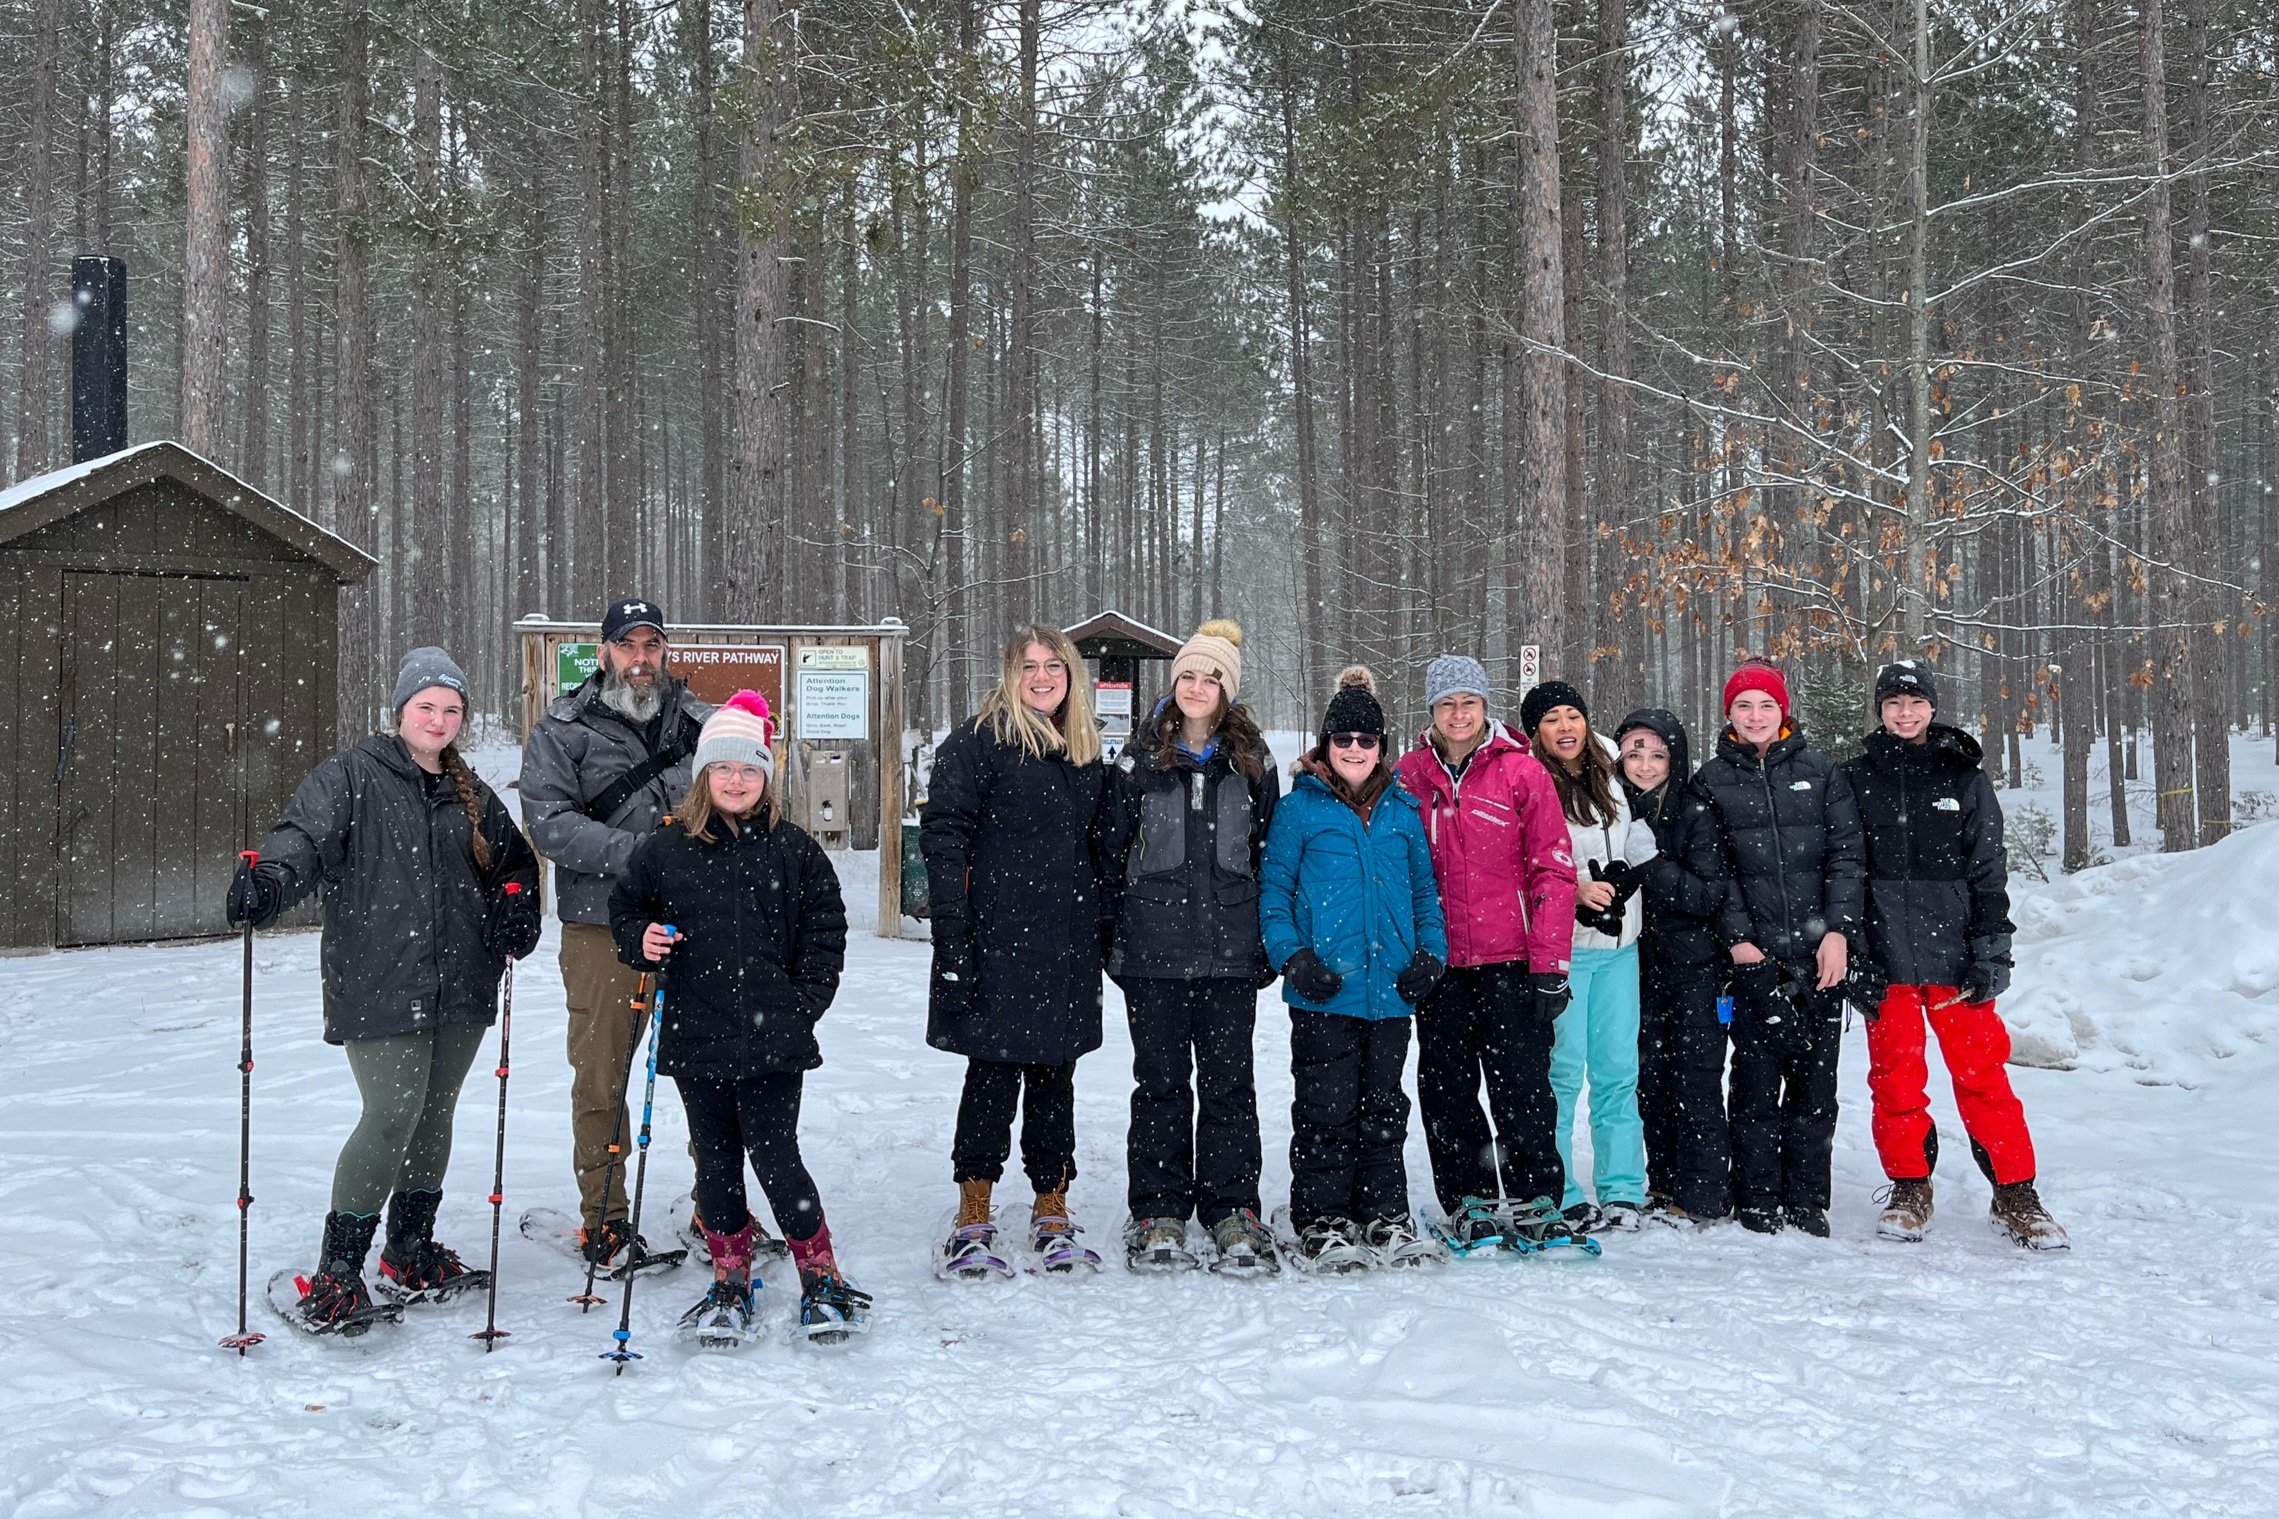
<point x="1939" y="924"/>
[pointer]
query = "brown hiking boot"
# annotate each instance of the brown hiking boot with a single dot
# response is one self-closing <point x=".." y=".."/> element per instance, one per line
<point x="2018" y="1214"/>
<point x="1049" y="1214"/>
<point x="1906" y="1209"/>
<point x="972" y="1203"/>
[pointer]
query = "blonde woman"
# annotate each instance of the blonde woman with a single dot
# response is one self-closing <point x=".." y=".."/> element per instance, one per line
<point x="1012" y="856"/>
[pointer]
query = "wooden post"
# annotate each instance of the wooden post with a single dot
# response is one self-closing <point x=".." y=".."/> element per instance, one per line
<point x="886" y="725"/>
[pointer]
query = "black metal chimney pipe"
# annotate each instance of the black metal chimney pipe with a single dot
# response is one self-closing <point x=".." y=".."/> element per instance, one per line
<point x="98" y="357"/>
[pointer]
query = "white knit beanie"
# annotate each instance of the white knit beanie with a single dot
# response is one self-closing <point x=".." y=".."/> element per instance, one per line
<point x="1216" y="649"/>
<point x="740" y="732"/>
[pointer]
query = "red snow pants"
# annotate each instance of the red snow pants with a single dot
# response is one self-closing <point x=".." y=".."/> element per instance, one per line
<point x="1974" y="1044"/>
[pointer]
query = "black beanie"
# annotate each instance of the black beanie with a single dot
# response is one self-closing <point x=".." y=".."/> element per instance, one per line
<point x="1905" y="678"/>
<point x="1354" y="708"/>
<point x="1552" y="693"/>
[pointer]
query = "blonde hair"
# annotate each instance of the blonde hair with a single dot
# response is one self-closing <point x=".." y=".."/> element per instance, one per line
<point x="1076" y="731"/>
<point x="696" y="812"/>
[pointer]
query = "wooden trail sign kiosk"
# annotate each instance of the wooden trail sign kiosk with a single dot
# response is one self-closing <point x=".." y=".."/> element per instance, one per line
<point x="837" y="696"/>
<point x="1120" y="644"/>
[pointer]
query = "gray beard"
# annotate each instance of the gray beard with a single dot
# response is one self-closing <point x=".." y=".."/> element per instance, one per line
<point x="631" y="703"/>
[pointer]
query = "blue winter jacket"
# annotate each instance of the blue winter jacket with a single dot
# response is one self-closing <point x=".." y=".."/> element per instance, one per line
<point x="1361" y="897"/>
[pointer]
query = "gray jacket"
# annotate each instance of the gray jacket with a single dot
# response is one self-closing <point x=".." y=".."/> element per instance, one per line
<point x="405" y="907"/>
<point x="578" y="749"/>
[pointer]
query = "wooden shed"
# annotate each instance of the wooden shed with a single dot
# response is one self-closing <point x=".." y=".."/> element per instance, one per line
<point x="168" y="641"/>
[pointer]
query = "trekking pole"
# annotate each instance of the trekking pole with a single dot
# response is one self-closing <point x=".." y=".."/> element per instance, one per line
<point x="624" y="1333"/>
<point x="490" y="1334"/>
<point x="587" y="1299"/>
<point x="245" y="1340"/>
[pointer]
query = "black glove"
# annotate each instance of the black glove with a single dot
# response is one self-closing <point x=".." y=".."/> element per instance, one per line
<point x="1551" y="993"/>
<point x="1622" y="876"/>
<point x="1863" y="987"/>
<point x="1313" y="981"/>
<point x="1989" y="973"/>
<point x="954" y="972"/>
<point x="256" y="894"/>
<point x="1267" y="976"/>
<point x="1423" y="974"/>
<point x="513" y="925"/>
<point x="1608" y="919"/>
<point x="1755" y="983"/>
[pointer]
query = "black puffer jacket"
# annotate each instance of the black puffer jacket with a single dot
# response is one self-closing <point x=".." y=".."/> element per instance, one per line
<point x="764" y="937"/>
<point x="1792" y="836"/>
<point x="1937" y="875"/>
<point x="1180" y="844"/>
<point x="1686" y="883"/>
<point x="1012" y="863"/>
<point x="404" y="904"/>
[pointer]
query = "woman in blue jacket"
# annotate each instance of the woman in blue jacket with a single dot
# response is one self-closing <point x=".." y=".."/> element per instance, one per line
<point x="1350" y="913"/>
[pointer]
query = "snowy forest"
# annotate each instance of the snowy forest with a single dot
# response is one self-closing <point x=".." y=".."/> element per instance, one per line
<point x="1653" y="332"/>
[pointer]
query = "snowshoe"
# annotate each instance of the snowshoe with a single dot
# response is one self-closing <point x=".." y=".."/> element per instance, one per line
<point x="1538" y="1227"/>
<point x="1158" y="1246"/>
<point x="1618" y="1218"/>
<point x="430" y="1273"/>
<point x="1906" y="1210"/>
<point x="327" y="1305"/>
<point x="1056" y="1249"/>
<point x="688" y="1232"/>
<point x="1395" y="1242"/>
<point x="1760" y="1220"/>
<point x="1474" y="1228"/>
<point x="1241" y="1246"/>
<point x="2018" y="1216"/>
<point x="722" y="1319"/>
<point x="970" y="1254"/>
<point x="1328" y="1247"/>
<point x="830" y="1311"/>
<point x="615" y="1250"/>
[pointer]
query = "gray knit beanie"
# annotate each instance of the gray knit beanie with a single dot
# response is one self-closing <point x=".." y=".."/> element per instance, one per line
<point x="1454" y="675"/>
<point x="422" y="668"/>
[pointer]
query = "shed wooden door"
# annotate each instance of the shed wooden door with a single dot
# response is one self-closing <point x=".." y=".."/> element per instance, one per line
<point x="149" y="785"/>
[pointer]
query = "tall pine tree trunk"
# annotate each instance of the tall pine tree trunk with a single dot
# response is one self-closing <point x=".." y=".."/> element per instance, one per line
<point x="753" y="554"/>
<point x="205" y="260"/>
<point x="1535" y="463"/>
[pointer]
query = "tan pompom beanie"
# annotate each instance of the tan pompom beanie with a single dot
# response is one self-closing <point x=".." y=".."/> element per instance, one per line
<point x="1216" y="649"/>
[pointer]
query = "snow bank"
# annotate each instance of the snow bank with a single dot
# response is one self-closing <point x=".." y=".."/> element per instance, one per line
<point x="2164" y="965"/>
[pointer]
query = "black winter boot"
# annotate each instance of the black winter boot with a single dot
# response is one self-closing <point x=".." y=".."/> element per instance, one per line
<point x="335" y="1298"/>
<point x="412" y="1265"/>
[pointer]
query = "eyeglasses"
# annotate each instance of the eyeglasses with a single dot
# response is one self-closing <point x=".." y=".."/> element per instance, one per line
<point x="1354" y="740"/>
<point x="1049" y="667"/>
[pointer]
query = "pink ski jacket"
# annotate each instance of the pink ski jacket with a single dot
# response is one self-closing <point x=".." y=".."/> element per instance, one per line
<point x="1500" y="850"/>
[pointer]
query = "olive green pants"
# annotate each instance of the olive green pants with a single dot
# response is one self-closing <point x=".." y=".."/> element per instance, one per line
<point x="402" y="1143"/>
<point x="603" y="1028"/>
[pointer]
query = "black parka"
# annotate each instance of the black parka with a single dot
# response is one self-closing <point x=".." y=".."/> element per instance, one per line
<point x="1180" y="844"/>
<point x="1792" y="837"/>
<point x="1937" y="875"/>
<point x="764" y="940"/>
<point x="1687" y="881"/>
<point x="1012" y="845"/>
<point x="404" y="903"/>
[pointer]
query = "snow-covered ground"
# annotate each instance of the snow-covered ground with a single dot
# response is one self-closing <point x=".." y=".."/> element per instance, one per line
<point x="1720" y="1374"/>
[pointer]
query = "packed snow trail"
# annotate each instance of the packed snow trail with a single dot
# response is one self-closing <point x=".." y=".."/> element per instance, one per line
<point x="1712" y="1375"/>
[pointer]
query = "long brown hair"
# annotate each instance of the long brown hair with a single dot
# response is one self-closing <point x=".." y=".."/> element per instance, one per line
<point x="471" y="798"/>
<point x="1588" y="797"/>
<point x="696" y="812"/>
<point x="1075" y="733"/>
<point x="1236" y="732"/>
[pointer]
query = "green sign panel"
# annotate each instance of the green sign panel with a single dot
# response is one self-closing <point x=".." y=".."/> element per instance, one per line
<point x="573" y="662"/>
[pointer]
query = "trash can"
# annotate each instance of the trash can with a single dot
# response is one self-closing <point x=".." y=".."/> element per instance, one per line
<point x="916" y="896"/>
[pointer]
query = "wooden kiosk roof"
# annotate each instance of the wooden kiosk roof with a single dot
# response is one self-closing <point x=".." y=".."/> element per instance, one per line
<point x="1112" y="635"/>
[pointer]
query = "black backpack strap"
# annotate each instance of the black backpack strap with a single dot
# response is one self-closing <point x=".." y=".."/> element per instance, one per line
<point x="622" y="790"/>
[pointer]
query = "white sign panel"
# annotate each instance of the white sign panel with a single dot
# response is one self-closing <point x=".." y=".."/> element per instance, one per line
<point x="1113" y="698"/>
<point x="834" y="657"/>
<point x="834" y="704"/>
<point x="1530" y="665"/>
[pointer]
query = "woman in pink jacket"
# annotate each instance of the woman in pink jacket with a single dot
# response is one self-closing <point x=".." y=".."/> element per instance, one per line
<point x="1507" y="884"/>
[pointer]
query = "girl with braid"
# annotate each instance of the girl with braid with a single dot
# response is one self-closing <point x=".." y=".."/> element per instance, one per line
<point x="414" y="854"/>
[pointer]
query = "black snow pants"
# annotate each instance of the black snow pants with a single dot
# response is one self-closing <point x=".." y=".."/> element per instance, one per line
<point x="1349" y="1118"/>
<point x="1480" y="1024"/>
<point x="1783" y="1098"/>
<point x="984" y="1138"/>
<point x="1681" y="1089"/>
<point x="756" y="1117"/>
<point x="1192" y="1151"/>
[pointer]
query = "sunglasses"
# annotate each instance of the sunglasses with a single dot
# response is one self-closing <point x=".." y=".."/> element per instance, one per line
<point x="1354" y="740"/>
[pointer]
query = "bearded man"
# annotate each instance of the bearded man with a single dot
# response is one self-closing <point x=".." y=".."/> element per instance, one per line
<point x="601" y="768"/>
